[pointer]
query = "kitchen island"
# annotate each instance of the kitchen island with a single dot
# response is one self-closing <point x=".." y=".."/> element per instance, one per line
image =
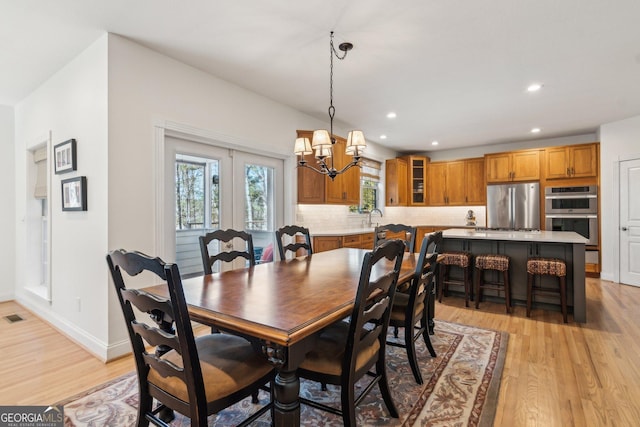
<point x="521" y="245"/>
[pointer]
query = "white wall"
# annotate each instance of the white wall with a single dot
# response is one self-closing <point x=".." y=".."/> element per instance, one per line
<point x="618" y="140"/>
<point x="7" y="213"/>
<point x="481" y="150"/>
<point x="70" y="104"/>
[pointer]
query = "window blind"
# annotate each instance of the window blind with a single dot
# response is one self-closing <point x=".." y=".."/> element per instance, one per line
<point x="40" y="159"/>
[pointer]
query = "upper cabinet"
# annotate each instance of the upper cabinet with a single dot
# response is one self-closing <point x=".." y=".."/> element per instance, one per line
<point x="396" y="182"/>
<point x="456" y="183"/>
<point x="417" y="176"/>
<point x="475" y="192"/>
<point x="574" y="161"/>
<point x="315" y="188"/>
<point x="521" y="165"/>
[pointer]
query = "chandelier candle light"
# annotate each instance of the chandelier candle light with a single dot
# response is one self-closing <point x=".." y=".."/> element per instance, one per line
<point x="323" y="141"/>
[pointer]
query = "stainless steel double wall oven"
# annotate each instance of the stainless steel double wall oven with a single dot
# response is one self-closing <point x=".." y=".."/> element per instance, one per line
<point x="573" y="209"/>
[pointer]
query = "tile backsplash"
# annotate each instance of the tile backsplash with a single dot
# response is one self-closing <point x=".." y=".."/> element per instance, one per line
<point x="338" y="217"/>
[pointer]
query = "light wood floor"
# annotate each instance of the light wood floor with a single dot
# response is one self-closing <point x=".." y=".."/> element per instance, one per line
<point x="554" y="374"/>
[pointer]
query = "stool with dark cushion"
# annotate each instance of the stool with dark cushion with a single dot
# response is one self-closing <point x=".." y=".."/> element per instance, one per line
<point x="447" y="260"/>
<point x="497" y="263"/>
<point x="551" y="267"/>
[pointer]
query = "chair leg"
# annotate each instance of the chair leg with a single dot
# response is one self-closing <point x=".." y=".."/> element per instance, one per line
<point x="424" y="321"/>
<point x="347" y="397"/>
<point x="411" y="354"/>
<point x="529" y="293"/>
<point x="478" y="280"/>
<point x="384" y="389"/>
<point x="507" y="290"/>
<point x="254" y="397"/>
<point x="467" y="286"/>
<point x="441" y="279"/>
<point x="395" y="332"/>
<point x="144" y="406"/>
<point x="563" y="296"/>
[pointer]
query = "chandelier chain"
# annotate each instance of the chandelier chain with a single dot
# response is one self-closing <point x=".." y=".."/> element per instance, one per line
<point x="332" y="109"/>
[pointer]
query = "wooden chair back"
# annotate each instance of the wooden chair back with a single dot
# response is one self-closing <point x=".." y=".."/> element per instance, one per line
<point x="293" y="231"/>
<point x="225" y="237"/>
<point x="406" y="233"/>
<point x="372" y="308"/>
<point x="171" y="332"/>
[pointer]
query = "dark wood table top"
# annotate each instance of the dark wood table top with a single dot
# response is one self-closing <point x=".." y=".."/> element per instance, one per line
<point x="280" y="302"/>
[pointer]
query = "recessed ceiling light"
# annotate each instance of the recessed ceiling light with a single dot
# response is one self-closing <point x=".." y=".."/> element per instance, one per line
<point x="534" y="87"/>
<point x="391" y="115"/>
<point x="383" y="136"/>
<point x="434" y="143"/>
<point x="535" y="130"/>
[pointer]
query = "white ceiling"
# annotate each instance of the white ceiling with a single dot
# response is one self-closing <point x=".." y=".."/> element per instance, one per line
<point x="455" y="71"/>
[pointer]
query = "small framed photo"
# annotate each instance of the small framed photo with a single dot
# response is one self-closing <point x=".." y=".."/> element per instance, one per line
<point x="64" y="156"/>
<point x="74" y="194"/>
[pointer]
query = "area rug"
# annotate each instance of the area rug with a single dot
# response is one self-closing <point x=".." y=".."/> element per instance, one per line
<point x="460" y="388"/>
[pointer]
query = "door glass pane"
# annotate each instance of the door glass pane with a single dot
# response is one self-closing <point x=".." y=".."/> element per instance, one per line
<point x="259" y="209"/>
<point x="197" y="209"/>
<point x="190" y="194"/>
<point x="214" y="192"/>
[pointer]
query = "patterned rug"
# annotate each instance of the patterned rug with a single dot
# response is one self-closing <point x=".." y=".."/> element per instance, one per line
<point x="460" y="389"/>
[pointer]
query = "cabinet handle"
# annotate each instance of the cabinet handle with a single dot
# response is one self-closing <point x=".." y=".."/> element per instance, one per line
<point x="573" y="171"/>
<point x="569" y="171"/>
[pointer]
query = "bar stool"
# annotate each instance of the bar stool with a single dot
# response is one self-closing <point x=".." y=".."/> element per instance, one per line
<point x="454" y="259"/>
<point x="551" y="267"/>
<point x="493" y="262"/>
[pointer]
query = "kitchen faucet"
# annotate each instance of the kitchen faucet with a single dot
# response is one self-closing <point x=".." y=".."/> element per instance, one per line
<point x="372" y="211"/>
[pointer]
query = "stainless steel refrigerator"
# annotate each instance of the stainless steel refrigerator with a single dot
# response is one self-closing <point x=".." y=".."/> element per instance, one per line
<point x="514" y="206"/>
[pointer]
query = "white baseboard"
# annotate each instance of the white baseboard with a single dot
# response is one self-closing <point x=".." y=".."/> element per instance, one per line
<point x="81" y="337"/>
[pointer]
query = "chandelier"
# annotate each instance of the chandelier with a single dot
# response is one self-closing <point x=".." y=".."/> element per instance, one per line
<point x="323" y="141"/>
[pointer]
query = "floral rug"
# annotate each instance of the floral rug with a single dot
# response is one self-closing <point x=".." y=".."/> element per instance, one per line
<point x="460" y="389"/>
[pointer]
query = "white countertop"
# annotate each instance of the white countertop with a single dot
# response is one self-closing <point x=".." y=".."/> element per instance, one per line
<point x="523" y="236"/>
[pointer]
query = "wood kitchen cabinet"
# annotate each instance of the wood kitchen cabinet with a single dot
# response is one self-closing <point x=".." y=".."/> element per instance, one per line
<point x="521" y="165"/>
<point x="475" y="188"/>
<point x="574" y="161"/>
<point x="416" y="180"/>
<point x="327" y="243"/>
<point x="396" y="182"/>
<point x="456" y="183"/>
<point x="315" y="188"/>
<point x="446" y="182"/>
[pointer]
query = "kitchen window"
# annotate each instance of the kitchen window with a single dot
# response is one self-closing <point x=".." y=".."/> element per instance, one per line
<point x="369" y="185"/>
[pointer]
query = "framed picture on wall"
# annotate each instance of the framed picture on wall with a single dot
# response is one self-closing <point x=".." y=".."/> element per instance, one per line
<point x="74" y="194"/>
<point x="64" y="156"/>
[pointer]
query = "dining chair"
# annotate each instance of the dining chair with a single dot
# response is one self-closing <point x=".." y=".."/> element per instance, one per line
<point x="225" y="237"/>
<point x="196" y="377"/>
<point x="411" y="306"/>
<point x="406" y="233"/>
<point x="348" y="350"/>
<point x="292" y="231"/>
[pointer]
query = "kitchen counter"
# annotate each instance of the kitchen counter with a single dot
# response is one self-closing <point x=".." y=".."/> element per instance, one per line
<point x="524" y="236"/>
<point x="522" y="245"/>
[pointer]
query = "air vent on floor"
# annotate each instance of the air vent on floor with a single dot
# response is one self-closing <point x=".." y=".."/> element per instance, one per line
<point x="12" y="318"/>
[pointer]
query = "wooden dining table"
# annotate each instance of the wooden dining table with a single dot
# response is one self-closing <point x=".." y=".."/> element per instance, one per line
<point x="281" y="306"/>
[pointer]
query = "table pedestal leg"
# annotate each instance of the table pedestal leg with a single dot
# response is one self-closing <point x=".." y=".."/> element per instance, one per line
<point x="286" y="405"/>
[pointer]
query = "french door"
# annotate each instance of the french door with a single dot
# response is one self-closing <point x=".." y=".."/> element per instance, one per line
<point x="629" y="222"/>
<point x="218" y="188"/>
